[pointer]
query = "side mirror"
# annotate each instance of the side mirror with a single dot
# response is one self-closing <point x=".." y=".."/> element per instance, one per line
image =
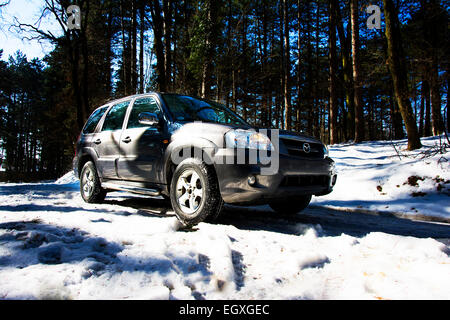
<point x="148" y="119"/>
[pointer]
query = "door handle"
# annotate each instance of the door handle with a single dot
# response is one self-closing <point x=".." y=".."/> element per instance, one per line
<point x="126" y="140"/>
<point x="98" y="141"/>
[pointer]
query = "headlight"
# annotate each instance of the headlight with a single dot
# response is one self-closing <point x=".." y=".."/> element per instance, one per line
<point x="247" y="139"/>
<point x="325" y="151"/>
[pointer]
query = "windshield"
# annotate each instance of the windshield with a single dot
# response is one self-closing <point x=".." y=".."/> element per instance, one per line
<point x="187" y="109"/>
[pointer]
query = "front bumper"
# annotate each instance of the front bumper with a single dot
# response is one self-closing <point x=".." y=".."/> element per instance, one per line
<point x="296" y="176"/>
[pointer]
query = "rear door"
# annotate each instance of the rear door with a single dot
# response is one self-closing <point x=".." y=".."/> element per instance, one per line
<point x="107" y="141"/>
<point x="142" y="146"/>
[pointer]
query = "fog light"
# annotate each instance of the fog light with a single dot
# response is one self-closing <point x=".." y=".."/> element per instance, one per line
<point x="251" y="180"/>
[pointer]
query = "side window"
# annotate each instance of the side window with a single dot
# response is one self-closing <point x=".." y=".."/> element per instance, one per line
<point x="93" y="120"/>
<point x="115" y="116"/>
<point x="142" y="105"/>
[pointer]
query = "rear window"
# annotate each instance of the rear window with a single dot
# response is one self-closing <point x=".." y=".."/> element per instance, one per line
<point x="93" y="120"/>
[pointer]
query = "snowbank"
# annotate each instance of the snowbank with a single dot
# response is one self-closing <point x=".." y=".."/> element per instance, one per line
<point x="373" y="176"/>
<point x="68" y="178"/>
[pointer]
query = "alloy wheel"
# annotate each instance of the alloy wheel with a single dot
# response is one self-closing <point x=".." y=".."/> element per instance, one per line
<point x="88" y="182"/>
<point x="189" y="191"/>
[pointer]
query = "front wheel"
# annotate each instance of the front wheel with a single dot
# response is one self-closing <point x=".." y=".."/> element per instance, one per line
<point x="194" y="192"/>
<point x="291" y="206"/>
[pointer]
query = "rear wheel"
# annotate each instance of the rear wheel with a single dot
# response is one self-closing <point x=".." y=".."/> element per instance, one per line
<point x="194" y="192"/>
<point x="291" y="206"/>
<point x="90" y="186"/>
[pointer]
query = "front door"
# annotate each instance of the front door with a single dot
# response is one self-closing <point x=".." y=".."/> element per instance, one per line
<point x="107" y="141"/>
<point x="142" y="146"/>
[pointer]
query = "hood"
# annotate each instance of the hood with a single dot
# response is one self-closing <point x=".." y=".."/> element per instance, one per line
<point x="215" y="132"/>
<point x="298" y="136"/>
<point x="285" y="134"/>
<point x="203" y="126"/>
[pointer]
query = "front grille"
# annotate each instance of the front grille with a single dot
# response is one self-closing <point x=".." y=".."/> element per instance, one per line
<point x="305" y="181"/>
<point x="295" y="148"/>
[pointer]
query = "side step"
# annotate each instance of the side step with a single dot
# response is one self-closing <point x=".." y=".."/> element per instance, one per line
<point x="148" y="192"/>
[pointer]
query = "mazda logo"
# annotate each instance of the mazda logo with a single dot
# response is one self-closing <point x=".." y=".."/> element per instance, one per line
<point x="306" y="147"/>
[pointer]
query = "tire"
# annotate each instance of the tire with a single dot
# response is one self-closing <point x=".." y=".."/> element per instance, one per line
<point x="291" y="206"/>
<point x="90" y="186"/>
<point x="194" y="192"/>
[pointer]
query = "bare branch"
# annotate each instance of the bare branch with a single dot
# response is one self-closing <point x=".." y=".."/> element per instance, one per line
<point x="52" y="8"/>
<point x="38" y="34"/>
<point x="35" y="32"/>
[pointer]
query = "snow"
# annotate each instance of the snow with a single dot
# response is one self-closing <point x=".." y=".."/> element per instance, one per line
<point x="55" y="246"/>
<point x="371" y="176"/>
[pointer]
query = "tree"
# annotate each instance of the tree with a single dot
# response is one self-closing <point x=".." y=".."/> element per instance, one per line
<point x="77" y="46"/>
<point x="333" y="77"/>
<point x="359" y="112"/>
<point x="435" y="22"/>
<point x="397" y="67"/>
<point x="157" y="24"/>
<point x="142" y="26"/>
<point x="287" y="68"/>
<point x="347" y="70"/>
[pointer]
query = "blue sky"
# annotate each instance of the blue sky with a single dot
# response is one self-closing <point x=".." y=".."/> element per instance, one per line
<point x="26" y="11"/>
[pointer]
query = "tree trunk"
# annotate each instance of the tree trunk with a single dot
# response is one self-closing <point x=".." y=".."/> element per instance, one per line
<point x="283" y="56"/>
<point x="209" y="48"/>
<point x="109" y="54"/>
<point x="233" y="89"/>
<point x="86" y="62"/>
<point x="426" y="93"/>
<point x="74" y="58"/>
<point x="349" y="116"/>
<point x="436" y="115"/>
<point x="124" y="59"/>
<point x="332" y="75"/>
<point x="155" y="10"/>
<point x="397" y="66"/>
<point x="422" y="109"/>
<point x="287" y="68"/>
<point x="299" y="64"/>
<point x="359" y="115"/>
<point x="167" y="10"/>
<point x="262" y="45"/>
<point x="133" y="48"/>
<point x="448" y="98"/>
<point x="396" y="119"/>
<point x="141" y="47"/>
<point x="433" y="26"/>
<point x="315" y="114"/>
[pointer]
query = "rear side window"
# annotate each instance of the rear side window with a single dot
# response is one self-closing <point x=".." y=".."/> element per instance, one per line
<point x="142" y="105"/>
<point x="115" y="116"/>
<point x="93" y="120"/>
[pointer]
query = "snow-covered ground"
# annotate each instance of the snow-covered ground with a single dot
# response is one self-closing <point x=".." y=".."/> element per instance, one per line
<point x="53" y="245"/>
<point x="374" y="176"/>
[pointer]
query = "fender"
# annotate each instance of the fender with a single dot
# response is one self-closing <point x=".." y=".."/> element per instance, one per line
<point x="88" y="152"/>
<point x="193" y="146"/>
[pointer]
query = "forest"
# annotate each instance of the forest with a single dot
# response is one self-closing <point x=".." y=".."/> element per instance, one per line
<point x="306" y="66"/>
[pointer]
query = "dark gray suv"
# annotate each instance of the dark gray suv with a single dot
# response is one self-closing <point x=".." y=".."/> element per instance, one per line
<point x="199" y="154"/>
